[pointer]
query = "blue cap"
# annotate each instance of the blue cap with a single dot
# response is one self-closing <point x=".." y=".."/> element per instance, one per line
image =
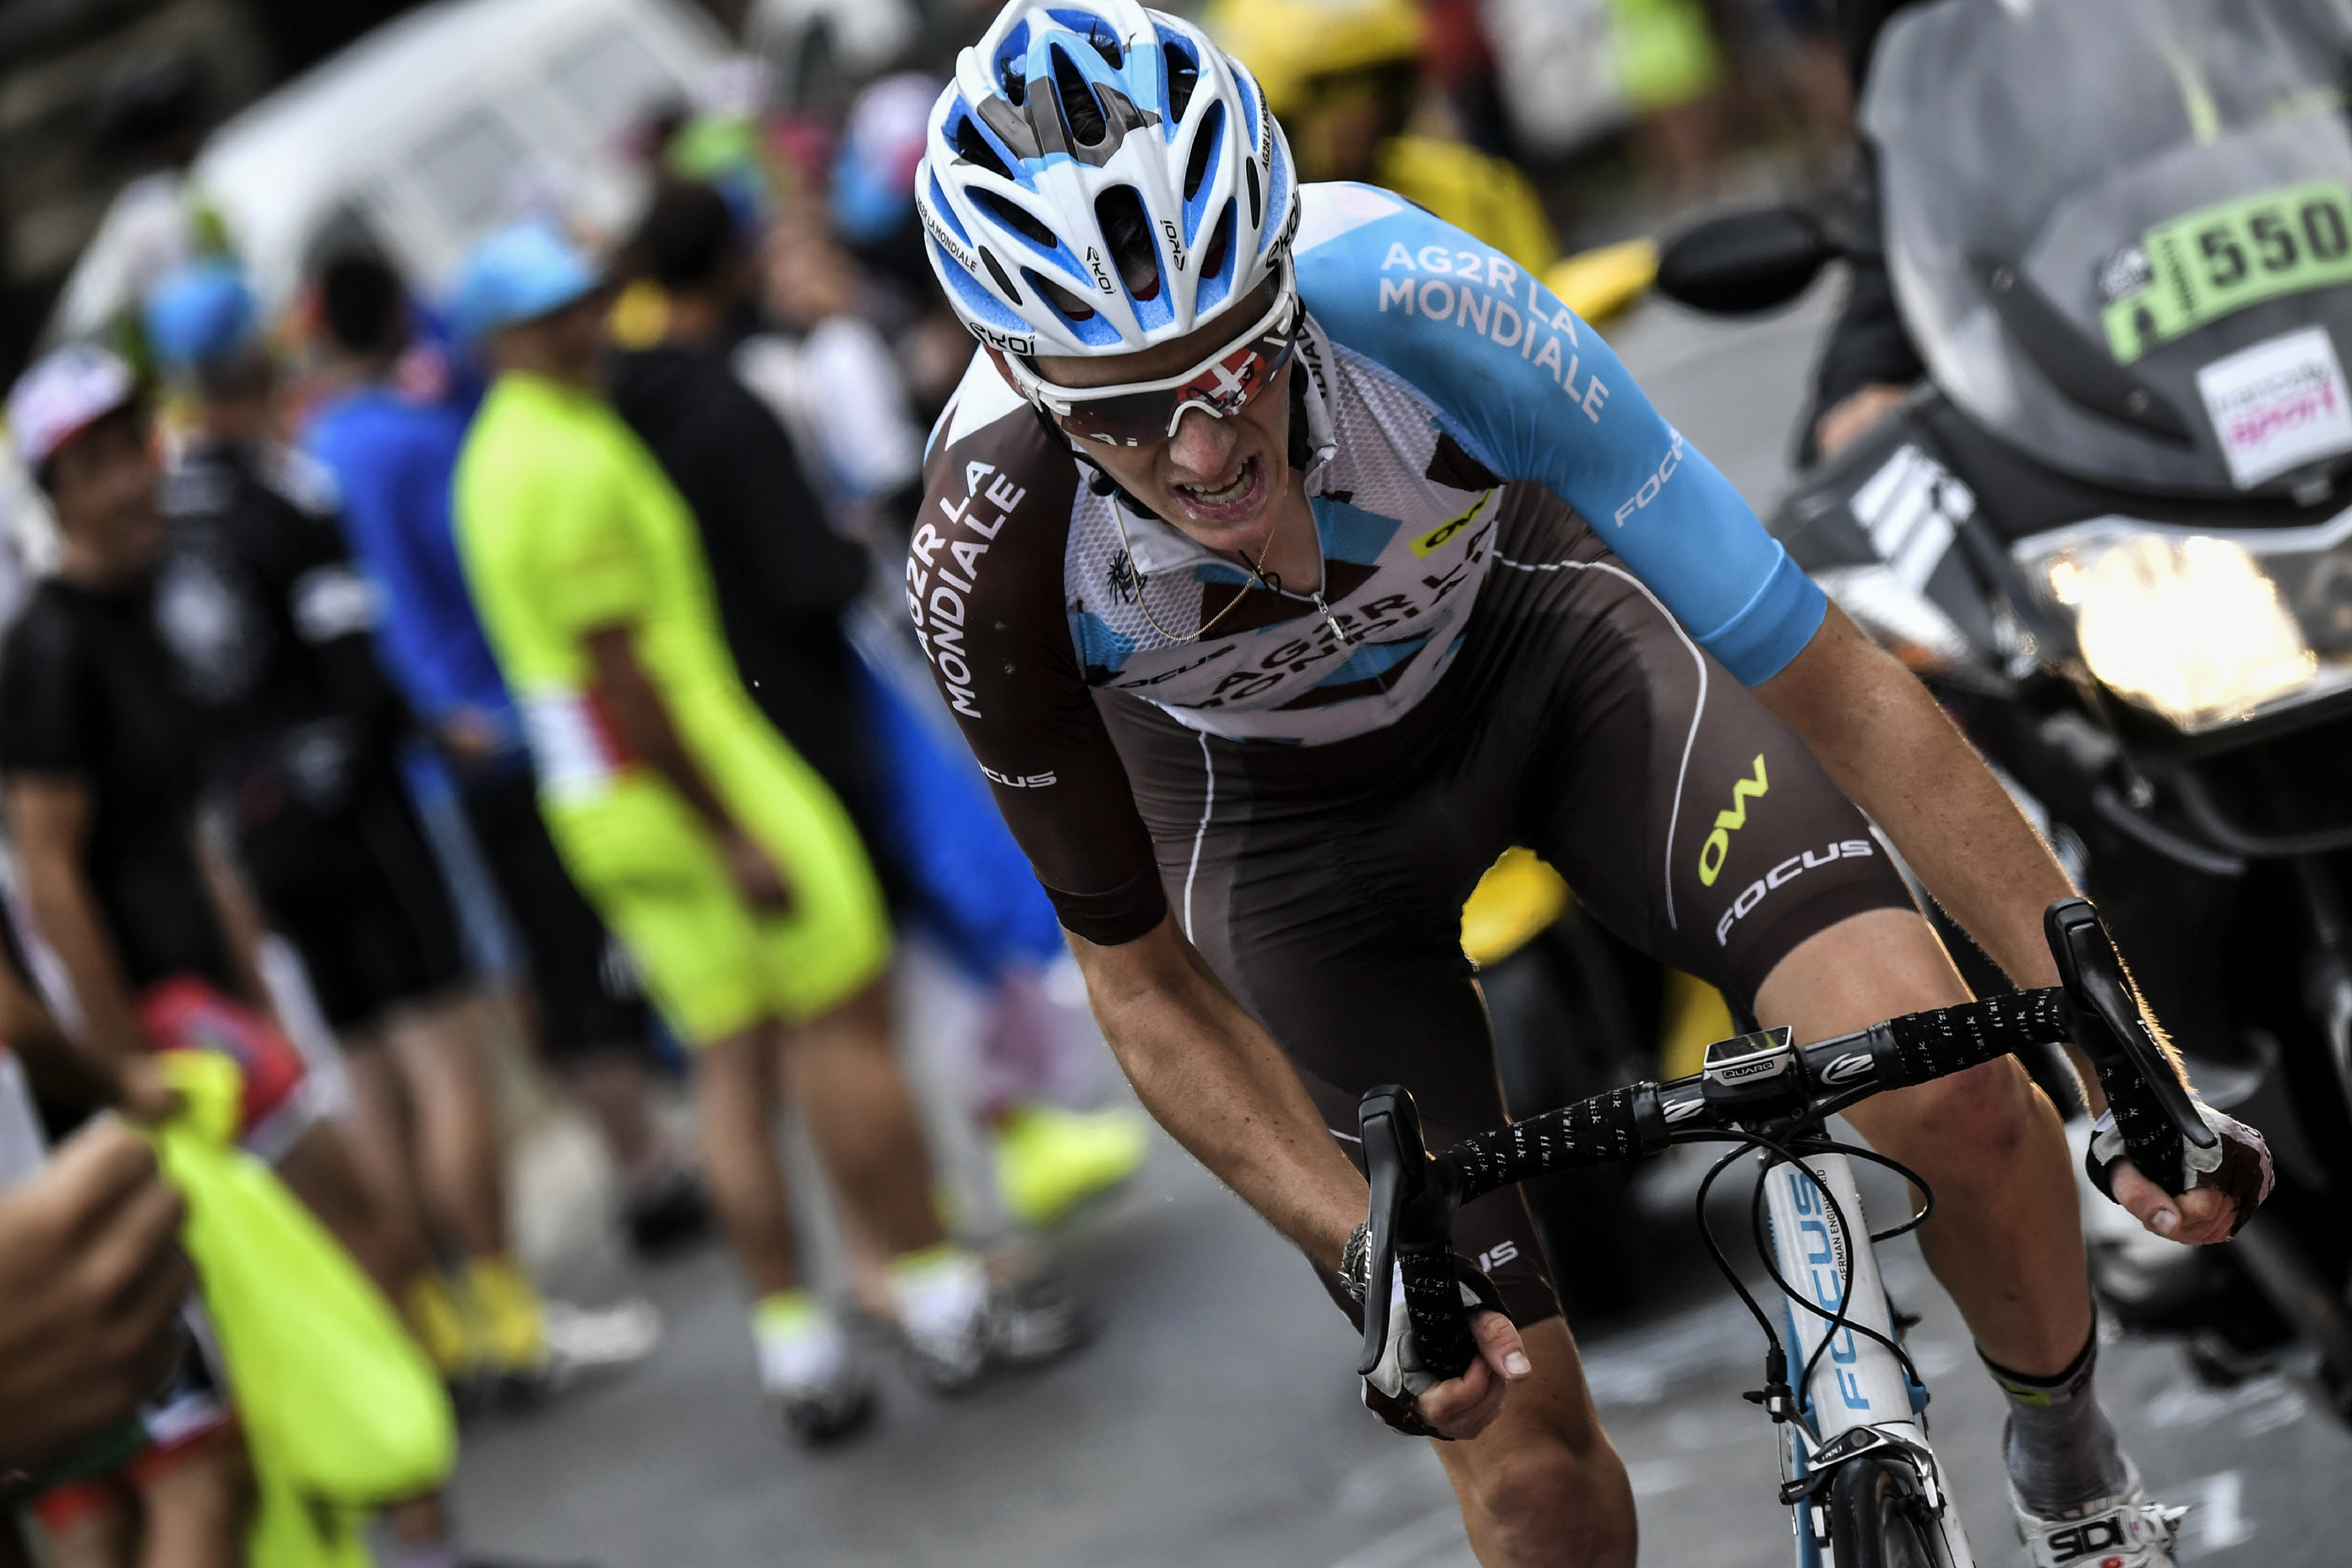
<point x="523" y="271"/>
<point x="201" y="312"/>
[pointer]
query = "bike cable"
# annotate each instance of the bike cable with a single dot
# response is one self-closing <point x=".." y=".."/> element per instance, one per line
<point x="1776" y="1358"/>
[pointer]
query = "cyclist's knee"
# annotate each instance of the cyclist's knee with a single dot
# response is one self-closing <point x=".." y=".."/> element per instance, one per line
<point x="1981" y="1119"/>
<point x="1545" y="1501"/>
<point x="1543" y="1488"/>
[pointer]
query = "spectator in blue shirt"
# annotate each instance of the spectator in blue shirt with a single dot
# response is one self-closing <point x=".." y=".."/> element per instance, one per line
<point x="392" y="436"/>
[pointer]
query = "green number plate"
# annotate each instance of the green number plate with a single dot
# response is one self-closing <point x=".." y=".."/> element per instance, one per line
<point x="2203" y="265"/>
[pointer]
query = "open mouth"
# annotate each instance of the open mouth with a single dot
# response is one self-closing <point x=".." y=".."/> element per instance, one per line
<point x="1223" y="496"/>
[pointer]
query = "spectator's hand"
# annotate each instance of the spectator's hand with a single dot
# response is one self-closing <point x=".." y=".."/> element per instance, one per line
<point x="469" y="735"/>
<point x="90" y="1276"/>
<point x="756" y="875"/>
<point x="140" y="1090"/>
<point x="1855" y="412"/>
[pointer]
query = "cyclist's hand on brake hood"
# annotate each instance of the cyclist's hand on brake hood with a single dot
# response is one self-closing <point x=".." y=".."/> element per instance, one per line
<point x="2234" y="1178"/>
<point x="1417" y="1402"/>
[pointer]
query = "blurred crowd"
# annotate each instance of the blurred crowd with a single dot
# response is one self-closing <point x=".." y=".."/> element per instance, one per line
<point x="414" y="684"/>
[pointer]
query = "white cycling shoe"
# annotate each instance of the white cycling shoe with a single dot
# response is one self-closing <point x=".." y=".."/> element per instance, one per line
<point x="2122" y="1531"/>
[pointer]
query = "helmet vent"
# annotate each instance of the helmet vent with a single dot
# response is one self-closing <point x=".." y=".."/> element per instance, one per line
<point x="1213" y="258"/>
<point x="1106" y="43"/>
<point x="997" y="272"/>
<point x="1183" y="75"/>
<point x="1134" y="248"/>
<point x="1018" y="219"/>
<point x="1061" y="298"/>
<point x="1249" y="167"/>
<point x="1204" y="148"/>
<point x="1081" y="110"/>
<point x="974" y="148"/>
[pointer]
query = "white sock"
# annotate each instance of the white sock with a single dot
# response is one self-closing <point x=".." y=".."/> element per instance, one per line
<point x="939" y="1292"/>
<point x="800" y="1345"/>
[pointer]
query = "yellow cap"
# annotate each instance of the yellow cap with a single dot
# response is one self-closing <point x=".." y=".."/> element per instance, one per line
<point x="1286" y="44"/>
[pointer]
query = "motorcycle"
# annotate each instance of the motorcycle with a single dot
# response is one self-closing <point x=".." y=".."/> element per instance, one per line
<point x="2113" y="533"/>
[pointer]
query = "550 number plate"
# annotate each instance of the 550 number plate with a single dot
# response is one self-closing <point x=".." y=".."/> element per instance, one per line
<point x="2197" y="268"/>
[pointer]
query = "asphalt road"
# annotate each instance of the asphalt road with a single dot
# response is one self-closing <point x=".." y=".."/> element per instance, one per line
<point x="1214" y="1419"/>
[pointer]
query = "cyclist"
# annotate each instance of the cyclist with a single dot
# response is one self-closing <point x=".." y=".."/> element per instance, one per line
<point x="1285" y="555"/>
<point x="717" y="855"/>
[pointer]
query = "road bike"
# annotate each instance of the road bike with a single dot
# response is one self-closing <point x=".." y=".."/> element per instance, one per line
<point x="1858" y="1475"/>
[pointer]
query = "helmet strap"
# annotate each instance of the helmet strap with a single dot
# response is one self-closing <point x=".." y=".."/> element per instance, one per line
<point x="1301" y="451"/>
<point x="1099" y="480"/>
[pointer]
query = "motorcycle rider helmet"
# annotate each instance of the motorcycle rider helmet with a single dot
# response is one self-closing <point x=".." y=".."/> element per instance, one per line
<point x="1289" y="46"/>
<point x="1100" y="178"/>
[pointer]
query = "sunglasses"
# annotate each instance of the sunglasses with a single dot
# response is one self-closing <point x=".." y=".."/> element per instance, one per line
<point x="1140" y="413"/>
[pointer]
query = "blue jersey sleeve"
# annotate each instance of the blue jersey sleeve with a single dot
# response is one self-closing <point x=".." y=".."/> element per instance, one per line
<point x="1533" y="393"/>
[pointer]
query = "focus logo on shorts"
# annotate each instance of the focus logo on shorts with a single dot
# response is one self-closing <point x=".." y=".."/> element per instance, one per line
<point x="1788" y="870"/>
<point x="1502" y="1253"/>
<point x="1711" y="854"/>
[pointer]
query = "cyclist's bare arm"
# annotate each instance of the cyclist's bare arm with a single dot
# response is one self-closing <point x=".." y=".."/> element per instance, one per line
<point x="1217" y="1081"/>
<point x="1892" y="749"/>
<point x="1221" y="1086"/>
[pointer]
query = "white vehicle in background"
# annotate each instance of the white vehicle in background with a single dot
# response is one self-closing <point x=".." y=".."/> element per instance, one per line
<point x="438" y="127"/>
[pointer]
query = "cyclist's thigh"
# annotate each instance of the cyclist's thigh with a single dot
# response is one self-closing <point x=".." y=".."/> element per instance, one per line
<point x="1682" y="811"/>
<point x="1333" y="914"/>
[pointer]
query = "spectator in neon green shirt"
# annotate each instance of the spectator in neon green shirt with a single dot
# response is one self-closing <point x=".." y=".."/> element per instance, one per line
<point x="721" y="861"/>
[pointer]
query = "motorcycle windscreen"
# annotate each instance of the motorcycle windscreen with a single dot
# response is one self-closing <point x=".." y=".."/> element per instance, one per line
<point x="2120" y="231"/>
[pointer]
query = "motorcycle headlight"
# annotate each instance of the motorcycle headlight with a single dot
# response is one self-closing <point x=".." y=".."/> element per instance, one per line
<point x="2202" y="628"/>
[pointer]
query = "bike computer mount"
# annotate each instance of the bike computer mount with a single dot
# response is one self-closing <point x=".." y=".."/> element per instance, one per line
<point x="1753" y="1076"/>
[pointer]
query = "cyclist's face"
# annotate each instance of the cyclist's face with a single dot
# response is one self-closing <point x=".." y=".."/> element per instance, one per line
<point x="1217" y="480"/>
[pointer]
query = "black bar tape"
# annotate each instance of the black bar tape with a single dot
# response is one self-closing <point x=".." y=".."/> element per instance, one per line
<point x="1433" y="1302"/>
<point x="1596" y="1132"/>
<point x="1947" y="1040"/>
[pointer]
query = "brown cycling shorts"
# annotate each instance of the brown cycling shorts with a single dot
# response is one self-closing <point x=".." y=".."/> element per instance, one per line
<point x="1325" y="884"/>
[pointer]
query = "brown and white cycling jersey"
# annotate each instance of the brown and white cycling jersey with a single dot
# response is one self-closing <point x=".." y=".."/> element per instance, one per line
<point x="1444" y="390"/>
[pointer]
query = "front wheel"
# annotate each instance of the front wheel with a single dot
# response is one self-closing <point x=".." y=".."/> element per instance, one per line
<point x="1878" y="1518"/>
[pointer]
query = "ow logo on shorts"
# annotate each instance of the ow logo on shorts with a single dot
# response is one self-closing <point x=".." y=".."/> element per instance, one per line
<point x="1712" y="853"/>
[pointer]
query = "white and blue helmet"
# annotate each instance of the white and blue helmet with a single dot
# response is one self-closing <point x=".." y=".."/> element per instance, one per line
<point x="1100" y="178"/>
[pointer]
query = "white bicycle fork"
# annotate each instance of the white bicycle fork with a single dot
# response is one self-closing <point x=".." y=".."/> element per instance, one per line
<point x="1859" y="1399"/>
